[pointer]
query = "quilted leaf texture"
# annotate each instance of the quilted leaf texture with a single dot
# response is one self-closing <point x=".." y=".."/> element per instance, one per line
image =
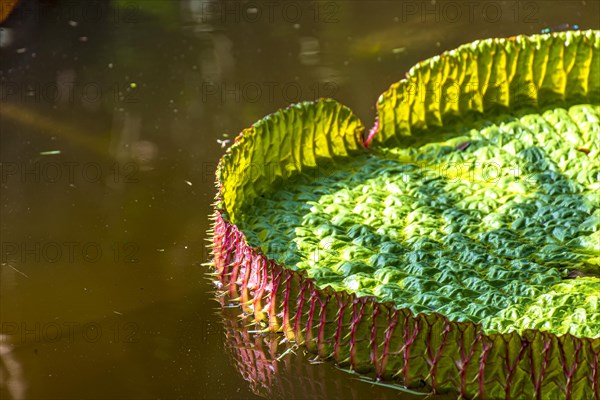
<point x="513" y="355"/>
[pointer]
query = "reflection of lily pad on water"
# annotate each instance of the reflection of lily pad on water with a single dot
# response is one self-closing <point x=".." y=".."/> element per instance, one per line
<point x="276" y="369"/>
<point x="459" y="249"/>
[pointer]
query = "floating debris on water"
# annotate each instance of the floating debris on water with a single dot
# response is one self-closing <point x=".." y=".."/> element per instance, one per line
<point x="16" y="270"/>
<point x="559" y="28"/>
<point x="223" y="143"/>
<point x="49" y="152"/>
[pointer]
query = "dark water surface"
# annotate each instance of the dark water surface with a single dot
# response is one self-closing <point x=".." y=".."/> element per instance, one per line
<point x="109" y="120"/>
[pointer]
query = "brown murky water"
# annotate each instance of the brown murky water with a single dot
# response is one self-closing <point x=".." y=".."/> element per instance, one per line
<point x="110" y="119"/>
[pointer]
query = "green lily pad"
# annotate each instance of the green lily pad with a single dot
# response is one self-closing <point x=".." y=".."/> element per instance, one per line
<point x="469" y="216"/>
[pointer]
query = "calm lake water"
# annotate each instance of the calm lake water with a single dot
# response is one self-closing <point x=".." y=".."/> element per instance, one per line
<point x="113" y="117"/>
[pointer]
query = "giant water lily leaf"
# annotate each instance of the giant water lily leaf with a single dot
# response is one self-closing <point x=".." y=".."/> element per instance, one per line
<point x="458" y="246"/>
<point x="284" y="144"/>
